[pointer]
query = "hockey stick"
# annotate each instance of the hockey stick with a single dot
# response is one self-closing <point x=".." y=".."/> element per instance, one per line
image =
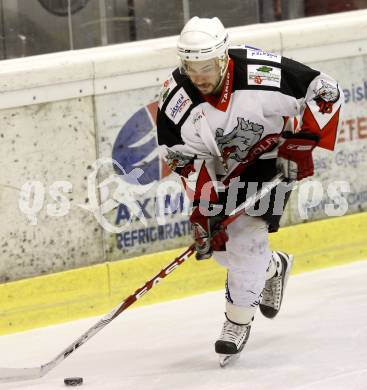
<point x="17" y="374"/>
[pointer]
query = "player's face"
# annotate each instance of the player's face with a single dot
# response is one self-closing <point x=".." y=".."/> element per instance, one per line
<point x="205" y="75"/>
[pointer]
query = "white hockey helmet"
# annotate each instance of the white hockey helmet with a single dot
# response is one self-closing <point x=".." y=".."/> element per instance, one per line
<point x="202" y="39"/>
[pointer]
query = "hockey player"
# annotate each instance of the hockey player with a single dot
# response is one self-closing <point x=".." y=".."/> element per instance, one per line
<point x="222" y="114"/>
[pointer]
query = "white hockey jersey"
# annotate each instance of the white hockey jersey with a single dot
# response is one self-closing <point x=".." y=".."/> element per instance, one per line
<point x="225" y="133"/>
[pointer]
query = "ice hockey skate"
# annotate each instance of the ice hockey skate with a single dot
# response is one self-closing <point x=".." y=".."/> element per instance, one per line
<point x="273" y="292"/>
<point x="231" y="342"/>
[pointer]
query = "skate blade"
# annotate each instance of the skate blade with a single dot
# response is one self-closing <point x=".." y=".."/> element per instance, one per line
<point x="224" y="360"/>
<point x="289" y="269"/>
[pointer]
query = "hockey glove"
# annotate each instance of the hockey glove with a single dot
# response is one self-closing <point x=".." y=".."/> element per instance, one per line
<point x="295" y="154"/>
<point x="208" y="233"/>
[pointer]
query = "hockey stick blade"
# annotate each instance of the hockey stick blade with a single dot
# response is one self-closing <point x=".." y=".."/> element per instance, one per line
<point x="18" y="374"/>
<point x="21" y="374"/>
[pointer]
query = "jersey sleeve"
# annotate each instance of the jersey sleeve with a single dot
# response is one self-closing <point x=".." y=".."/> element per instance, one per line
<point x="321" y="101"/>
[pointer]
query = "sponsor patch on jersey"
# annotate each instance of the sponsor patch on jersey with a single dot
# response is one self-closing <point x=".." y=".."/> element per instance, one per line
<point x="257" y="54"/>
<point x="197" y="116"/>
<point x="264" y="75"/>
<point x="178" y="105"/>
<point x="167" y="87"/>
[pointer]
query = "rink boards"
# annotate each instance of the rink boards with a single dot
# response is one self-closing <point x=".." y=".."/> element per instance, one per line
<point x="94" y="290"/>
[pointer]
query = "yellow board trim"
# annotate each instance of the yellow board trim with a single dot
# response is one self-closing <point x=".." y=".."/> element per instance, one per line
<point x="95" y="290"/>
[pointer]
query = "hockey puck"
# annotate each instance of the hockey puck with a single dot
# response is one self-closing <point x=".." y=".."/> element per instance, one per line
<point x="76" y="381"/>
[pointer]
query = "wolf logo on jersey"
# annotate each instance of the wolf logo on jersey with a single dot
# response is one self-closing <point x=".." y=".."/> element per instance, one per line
<point x="238" y="142"/>
<point x="326" y="96"/>
<point x="179" y="160"/>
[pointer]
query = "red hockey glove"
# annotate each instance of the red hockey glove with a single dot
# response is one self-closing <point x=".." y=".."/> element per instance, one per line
<point x="295" y="154"/>
<point x="208" y="233"/>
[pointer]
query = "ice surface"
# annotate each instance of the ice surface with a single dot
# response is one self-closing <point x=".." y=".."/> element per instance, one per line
<point x="318" y="342"/>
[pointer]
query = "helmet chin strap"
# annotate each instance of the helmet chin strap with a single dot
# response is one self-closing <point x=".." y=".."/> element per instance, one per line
<point x="223" y="72"/>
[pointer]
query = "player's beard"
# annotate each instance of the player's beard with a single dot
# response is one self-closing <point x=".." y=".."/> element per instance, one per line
<point x="205" y="88"/>
<point x="209" y="88"/>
